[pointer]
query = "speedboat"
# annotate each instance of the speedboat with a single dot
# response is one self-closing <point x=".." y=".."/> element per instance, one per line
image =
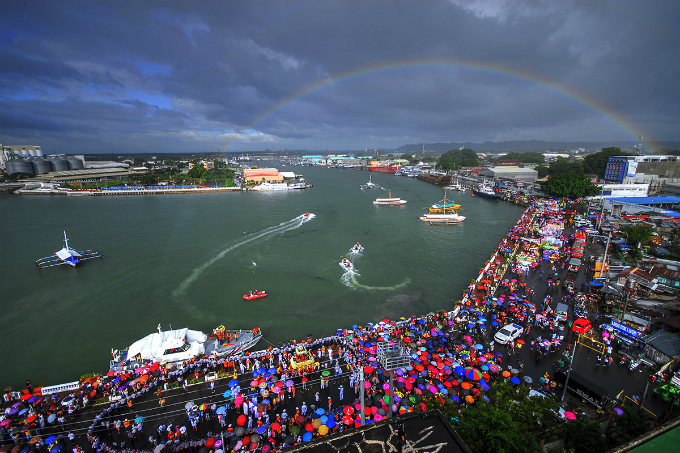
<point x="389" y="201"/>
<point x="358" y="248"/>
<point x="255" y="295"/>
<point x="66" y="255"/>
<point x="347" y="265"/>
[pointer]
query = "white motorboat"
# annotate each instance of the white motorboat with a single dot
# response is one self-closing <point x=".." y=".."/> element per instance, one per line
<point x="446" y="219"/>
<point x="357" y="248"/>
<point x="346" y="265"/>
<point x="268" y="186"/>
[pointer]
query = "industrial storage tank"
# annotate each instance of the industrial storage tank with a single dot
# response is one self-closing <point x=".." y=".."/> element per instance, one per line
<point x="19" y="166"/>
<point x="75" y="164"/>
<point x="40" y="166"/>
<point x="58" y="164"/>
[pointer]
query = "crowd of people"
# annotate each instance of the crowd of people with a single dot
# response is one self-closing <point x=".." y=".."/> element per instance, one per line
<point x="264" y="401"/>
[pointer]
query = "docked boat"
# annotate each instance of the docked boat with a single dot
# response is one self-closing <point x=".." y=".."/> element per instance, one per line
<point x="269" y="186"/>
<point x="435" y="177"/>
<point x="255" y="295"/>
<point x="346" y="265"/>
<point x="384" y="167"/>
<point x="67" y="256"/>
<point x="446" y="219"/>
<point x="486" y="191"/>
<point x="183" y="344"/>
<point x="455" y="186"/>
<point x="389" y="201"/>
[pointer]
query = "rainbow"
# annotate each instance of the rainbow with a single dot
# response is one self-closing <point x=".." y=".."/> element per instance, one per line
<point x="567" y="93"/>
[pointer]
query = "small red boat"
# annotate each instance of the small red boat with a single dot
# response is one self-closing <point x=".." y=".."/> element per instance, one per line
<point x="255" y="295"/>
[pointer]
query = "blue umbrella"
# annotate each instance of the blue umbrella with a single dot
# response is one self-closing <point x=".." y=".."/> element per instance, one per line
<point x="455" y="398"/>
<point x="261" y="429"/>
<point x="479" y="346"/>
<point x="50" y="440"/>
<point x="272" y="371"/>
<point x="459" y="370"/>
<point x="56" y="449"/>
<point x="221" y="410"/>
<point x="471" y="325"/>
<point x="494" y="323"/>
<point x="355" y="326"/>
<point x="307" y="437"/>
<point x="265" y="401"/>
<point x="233" y="383"/>
<point x="514" y="380"/>
<point x="23" y="411"/>
<point x="139" y="419"/>
<point x="320" y="411"/>
<point x="51" y="418"/>
<point x="324" y="419"/>
<point x="330" y="423"/>
<point x="481" y="318"/>
<point x="227" y="394"/>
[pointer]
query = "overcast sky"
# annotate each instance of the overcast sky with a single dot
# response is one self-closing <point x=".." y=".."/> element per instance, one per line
<point x="171" y="76"/>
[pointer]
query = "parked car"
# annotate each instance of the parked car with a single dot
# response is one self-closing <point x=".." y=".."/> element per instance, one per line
<point x="508" y="333"/>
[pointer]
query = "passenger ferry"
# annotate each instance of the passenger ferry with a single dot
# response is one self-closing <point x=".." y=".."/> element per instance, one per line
<point x="389" y="201"/>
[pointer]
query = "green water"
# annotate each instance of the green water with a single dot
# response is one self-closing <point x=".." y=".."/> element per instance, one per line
<point x="186" y="261"/>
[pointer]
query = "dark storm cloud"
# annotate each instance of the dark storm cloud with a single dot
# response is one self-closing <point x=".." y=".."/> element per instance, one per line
<point x="175" y="75"/>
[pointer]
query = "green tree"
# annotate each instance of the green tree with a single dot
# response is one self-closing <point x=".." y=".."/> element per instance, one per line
<point x="456" y="158"/>
<point x="197" y="171"/>
<point x="584" y="436"/>
<point x="631" y="424"/>
<point x="671" y="395"/>
<point x="569" y="185"/>
<point x="487" y="428"/>
<point x="562" y="165"/>
<point x="641" y="232"/>
<point x="542" y="171"/>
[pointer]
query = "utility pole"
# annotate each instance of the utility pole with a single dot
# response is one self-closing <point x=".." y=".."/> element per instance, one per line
<point x="571" y="363"/>
<point x="361" y="390"/>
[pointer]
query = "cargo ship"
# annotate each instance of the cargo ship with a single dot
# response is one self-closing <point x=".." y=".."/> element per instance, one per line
<point x="385" y="167"/>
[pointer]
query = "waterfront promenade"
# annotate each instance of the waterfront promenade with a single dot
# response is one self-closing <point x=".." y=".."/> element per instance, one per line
<point x="260" y="400"/>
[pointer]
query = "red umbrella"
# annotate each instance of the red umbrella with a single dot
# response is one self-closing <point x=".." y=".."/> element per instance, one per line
<point x="309" y="428"/>
<point x="241" y="420"/>
<point x="348" y="410"/>
<point x="276" y="426"/>
<point x="347" y="420"/>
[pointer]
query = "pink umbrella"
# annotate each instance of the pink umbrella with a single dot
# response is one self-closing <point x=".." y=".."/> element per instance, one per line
<point x="570" y="416"/>
<point x="605" y="334"/>
<point x="386" y="386"/>
<point x="367" y="385"/>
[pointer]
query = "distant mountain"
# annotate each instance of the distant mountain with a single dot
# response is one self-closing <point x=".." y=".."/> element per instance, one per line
<point x="528" y="145"/>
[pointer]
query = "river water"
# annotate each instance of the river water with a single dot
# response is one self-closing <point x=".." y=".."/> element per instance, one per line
<point x="186" y="261"/>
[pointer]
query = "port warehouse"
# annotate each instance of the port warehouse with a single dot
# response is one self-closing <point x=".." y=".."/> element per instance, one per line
<point x="85" y="175"/>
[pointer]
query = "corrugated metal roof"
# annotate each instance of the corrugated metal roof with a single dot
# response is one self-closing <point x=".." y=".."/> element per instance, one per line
<point x="665" y="343"/>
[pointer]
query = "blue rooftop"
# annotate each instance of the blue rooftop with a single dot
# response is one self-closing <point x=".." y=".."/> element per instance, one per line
<point x="648" y="200"/>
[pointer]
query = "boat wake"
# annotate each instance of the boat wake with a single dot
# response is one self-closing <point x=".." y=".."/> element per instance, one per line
<point x="349" y="279"/>
<point x="264" y="234"/>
